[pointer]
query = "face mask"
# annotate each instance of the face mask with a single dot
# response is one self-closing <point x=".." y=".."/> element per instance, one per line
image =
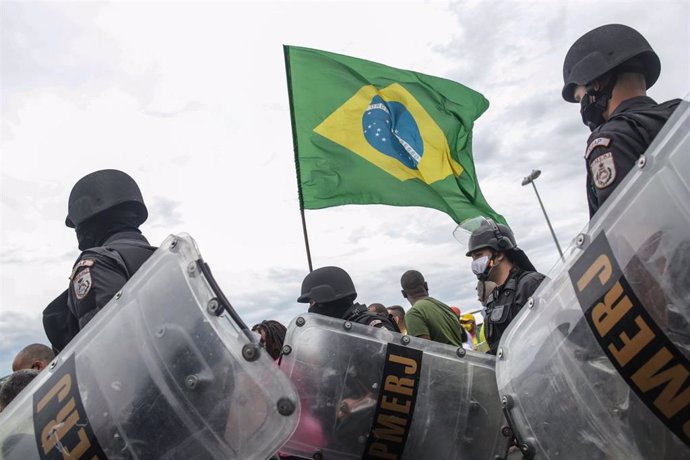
<point x="594" y="104"/>
<point x="593" y="111"/>
<point x="482" y="267"/>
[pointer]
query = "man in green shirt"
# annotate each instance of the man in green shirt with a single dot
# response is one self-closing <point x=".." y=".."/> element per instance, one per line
<point x="429" y="318"/>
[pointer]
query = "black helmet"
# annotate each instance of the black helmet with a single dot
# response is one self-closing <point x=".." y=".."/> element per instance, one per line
<point x="606" y="48"/>
<point x="491" y="235"/>
<point x="100" y="191"/>
<point x="327" y="284"/>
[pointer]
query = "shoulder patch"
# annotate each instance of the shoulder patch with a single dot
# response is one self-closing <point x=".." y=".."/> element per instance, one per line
<point x="598" y="142"/>
<point x="80" y="264"/>
<point x="82" y="283"/>
<point x="376" y="323"/>
<point x="603" y="170"/>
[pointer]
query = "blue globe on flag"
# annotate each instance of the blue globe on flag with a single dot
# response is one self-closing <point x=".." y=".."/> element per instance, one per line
<point x="391" y="129"/>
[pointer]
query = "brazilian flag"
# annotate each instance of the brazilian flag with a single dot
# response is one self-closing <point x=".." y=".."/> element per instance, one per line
<point x="366" y="133"/>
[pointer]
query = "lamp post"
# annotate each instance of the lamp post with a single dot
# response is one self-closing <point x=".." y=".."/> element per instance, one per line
<point x="530" y="180"/>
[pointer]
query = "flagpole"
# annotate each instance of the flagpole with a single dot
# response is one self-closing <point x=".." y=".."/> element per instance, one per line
<point x="286" y="52"/>
<point x="306" y="239"/>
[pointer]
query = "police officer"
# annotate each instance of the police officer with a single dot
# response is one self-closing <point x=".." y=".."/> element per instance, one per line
<point x="106" y="209"/>
<point x="331" y="292"/>
<point x="607" y="71"/>
<point x="499" y="263"/>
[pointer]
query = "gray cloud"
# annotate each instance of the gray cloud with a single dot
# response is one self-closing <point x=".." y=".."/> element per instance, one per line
<point x="192" y="106"/>
<point x="164" y="212"/>
<point x="20" y="256"/>
<point x="38" y="46"/>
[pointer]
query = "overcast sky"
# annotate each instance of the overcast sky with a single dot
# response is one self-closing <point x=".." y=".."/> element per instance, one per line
<point x="190" y="99"/>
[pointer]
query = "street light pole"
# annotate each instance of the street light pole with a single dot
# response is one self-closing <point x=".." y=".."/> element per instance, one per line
<point x="530" y="180"/>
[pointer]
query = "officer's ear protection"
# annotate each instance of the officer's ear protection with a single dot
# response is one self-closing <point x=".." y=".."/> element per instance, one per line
<point x="503" y="241"/>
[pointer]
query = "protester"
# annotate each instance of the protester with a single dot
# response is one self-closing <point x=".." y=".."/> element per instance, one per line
<point x="469" y="323"/>
<point x="608" y="71"/>
<point x="429" y="318"/>
<point x="35" y="356"/>
<point x="331" y="292"/>
<point x="398" y="314"/>
<point x="378" y="308"/>
<point x="272" y="336"/>
<point x="506" y="277"/>
<point x="14" y="384"/>
<point x="106" y="209"/>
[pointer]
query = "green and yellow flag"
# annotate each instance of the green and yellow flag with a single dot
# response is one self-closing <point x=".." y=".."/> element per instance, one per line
<point x="366" y="133"/>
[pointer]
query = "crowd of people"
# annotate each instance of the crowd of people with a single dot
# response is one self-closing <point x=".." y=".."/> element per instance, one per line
<point x="607" y="71"/>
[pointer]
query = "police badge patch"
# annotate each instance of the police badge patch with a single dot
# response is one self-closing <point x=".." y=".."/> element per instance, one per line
<point x="82" y="283"/>
<point x="603" y="170"/>
<point x="598" y="142"/>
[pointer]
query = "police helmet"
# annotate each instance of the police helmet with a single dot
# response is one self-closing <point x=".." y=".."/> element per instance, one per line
<point x="608" y="47"/>
<point x="491" y="235"/>
<point x="100" y="191"/>
<point x="327" y="284"/>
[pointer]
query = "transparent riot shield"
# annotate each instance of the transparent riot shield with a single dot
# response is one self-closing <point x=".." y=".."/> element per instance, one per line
<point x="371" y="393"/>
<point x="596" y="366"/>
<point x="166" y="370"/>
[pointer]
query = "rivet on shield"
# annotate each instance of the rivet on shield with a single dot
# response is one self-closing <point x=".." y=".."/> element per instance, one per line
<point x="118" y="295"/>
<point x="642" y="161"/>
<point x="526" y="450"/>
<point x="250" y="352"/>
<point x="347" y="325"/>
<point x="460" y="352"/>
<point x="160" y="332"/>
<point x="405" y="339"/>
<point x="300" y="321"/>
<point x="317" y="456"/>
<point x="53" y="364"/>
<point x="286" y="406"/>
<point x="191" y="381"/>
<point x="500" y="353"/>
<point x="580" y="240"/>
<point x="191" y="268"/>
<point x="530" y="303"/>
<point x="213" y="306"/>
<point x="287" y="349"/>
<point x="173" y="244"/>
<point x="506" y="431"/>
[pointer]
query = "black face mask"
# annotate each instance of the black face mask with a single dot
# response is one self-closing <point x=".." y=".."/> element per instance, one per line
<point x="594" y="104"/>
<point x="334" y="309"/>
<point x="95" y="231"/>
<point x="593" y="111"/>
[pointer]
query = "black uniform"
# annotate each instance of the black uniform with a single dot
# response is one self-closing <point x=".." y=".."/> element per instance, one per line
<point x="615" y="146"/>
<point x="358" y="313"/>
<point x="97" y="275"/>
<point x="506" y="301"/>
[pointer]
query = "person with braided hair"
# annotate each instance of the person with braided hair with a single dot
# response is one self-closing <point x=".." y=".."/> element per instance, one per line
<point x="272" y="336"/>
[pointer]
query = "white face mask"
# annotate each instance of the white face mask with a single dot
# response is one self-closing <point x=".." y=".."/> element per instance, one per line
<point x="480" y="265"/>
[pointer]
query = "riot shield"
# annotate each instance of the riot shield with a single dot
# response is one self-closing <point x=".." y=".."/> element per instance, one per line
<point x="372" y="393"/>
<point x="166" y="370"/>
<point x="596" y="365"/>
